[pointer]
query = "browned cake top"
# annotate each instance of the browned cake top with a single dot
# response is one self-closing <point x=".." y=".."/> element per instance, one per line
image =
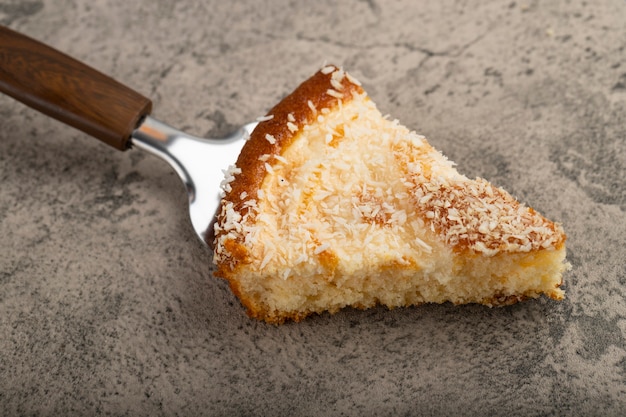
<point x="468" y="215"/>
<point x="275" y="131"/>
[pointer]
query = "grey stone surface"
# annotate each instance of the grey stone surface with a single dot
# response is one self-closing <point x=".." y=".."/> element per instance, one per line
<point x="107" y="304"/>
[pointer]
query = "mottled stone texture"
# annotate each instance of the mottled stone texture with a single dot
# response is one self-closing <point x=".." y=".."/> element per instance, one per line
<point x="107" y="303"/>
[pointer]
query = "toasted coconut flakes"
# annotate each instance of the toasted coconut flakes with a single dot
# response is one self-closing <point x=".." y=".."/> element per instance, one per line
<point x="338" y="76"/>
<point x="291" y="118"/>
<point x="475" y="215"/>
<point x="292" y="127"/>
<point x="328" y="69"/>
<point x="336" y="84"/>
<point x="286" y="273"/>
<point x="229" y="176"/>
<point x="398" y="217"/>
<point x="264" y="157"/>
<point x="302" y="258"/>
<point x="232" y="170"/>
<point x="426" y="198"/>
<point x="280" y="158"/>
<point x="321" y="248"/>
<point x="271" y="139"/>
<point x="265" y="118"/>
<point x="484" y="227"/>
<point x="311" y="106"/>
<point x="266" y="259"/>
<point x="269" y="168"/>
<point x="423" y="245"/>
<point x="250" y="203"/>
<point x="334" y="93"/>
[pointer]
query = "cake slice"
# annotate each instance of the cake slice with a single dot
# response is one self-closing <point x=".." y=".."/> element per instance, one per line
<point x="330" y="205"/>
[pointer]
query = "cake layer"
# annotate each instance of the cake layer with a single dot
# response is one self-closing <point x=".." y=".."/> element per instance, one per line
<point x="330" y="204"/>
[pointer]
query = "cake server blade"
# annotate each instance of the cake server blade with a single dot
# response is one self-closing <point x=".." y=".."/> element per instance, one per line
<point x="74" y="93"/>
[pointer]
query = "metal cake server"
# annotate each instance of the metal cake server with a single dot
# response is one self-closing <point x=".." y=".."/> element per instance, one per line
<point x="78" y="95"/>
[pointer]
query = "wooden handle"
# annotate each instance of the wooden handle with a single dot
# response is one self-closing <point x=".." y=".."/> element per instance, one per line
<point x="68" y="90"/>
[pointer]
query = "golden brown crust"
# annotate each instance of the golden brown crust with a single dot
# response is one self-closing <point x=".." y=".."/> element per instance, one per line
<point x="313" y="90"/>
<point x="464" y="227"/>
<point x="286" y="121"/>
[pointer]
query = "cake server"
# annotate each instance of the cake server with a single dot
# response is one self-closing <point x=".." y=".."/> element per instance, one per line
<point x="72" y="92"/>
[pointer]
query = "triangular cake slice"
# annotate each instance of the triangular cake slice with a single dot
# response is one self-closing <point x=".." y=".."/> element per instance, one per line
<point x="330" y="204"/>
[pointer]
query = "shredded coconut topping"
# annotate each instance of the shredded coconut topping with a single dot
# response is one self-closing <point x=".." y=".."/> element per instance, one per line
<point x="280" y="158"/>
<point x="327" y="70"/>
<point x="229" y="176"/>
<point x="336" y="84"/>
<point x="361" y="177"/>
<point x="292" y="127"/>
<point x="476" y="215"/>
<point x="334" y="93"/>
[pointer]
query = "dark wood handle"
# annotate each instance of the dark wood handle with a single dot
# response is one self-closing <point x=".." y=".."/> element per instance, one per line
<point x="68" y="90"/>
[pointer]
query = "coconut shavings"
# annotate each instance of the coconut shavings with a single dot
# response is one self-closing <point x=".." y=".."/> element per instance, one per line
<point x="229" y="176"/>
<point x="473" y="214"/>
<point x="327" y="69"/>
<point x="334" y="93"/>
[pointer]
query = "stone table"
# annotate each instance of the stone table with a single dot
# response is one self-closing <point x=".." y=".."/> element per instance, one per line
<point x="107" y="303"/>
